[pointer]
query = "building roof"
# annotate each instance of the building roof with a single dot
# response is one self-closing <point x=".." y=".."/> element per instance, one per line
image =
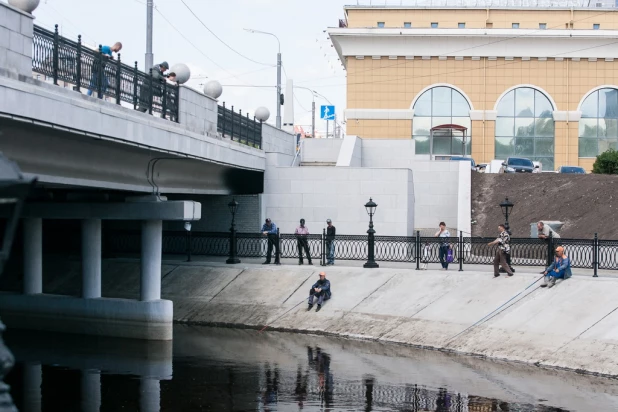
<point x="484" y="4"/>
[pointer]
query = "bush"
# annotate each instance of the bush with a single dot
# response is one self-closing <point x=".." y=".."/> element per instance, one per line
<point x="606" y="163"/>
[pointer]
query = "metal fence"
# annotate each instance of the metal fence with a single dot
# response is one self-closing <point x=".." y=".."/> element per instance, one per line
<point x="64" y="60"/>
<point x="584" y="253"/>
<point x="238" y="127"/>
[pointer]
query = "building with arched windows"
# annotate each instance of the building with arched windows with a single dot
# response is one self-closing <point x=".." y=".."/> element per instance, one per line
<point x="536" y="82"/>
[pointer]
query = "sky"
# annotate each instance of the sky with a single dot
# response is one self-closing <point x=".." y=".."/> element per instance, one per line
<point x="250" y="60"/>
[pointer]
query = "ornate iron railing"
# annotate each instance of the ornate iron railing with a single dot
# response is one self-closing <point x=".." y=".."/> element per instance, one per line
<point x="64" y="60"/>
<point x="584" y="253"/>
<point x="238" y="127"/>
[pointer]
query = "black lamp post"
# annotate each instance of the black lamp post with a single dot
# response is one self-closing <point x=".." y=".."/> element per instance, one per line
<point x="232" y="260"/>
<point x="371" y="210"/>
<point x="13" y="191"/>
<point x="506" y="207"/>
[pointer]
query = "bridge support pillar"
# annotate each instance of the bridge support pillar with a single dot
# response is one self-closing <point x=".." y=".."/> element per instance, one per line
<point x="149" y="395"/>
<point x="91" y="258"/>
<point x="33" y="256"/>
<point x="91" y="391"/>
<point x="33" y="380"/>
<point x="152" y="246"/>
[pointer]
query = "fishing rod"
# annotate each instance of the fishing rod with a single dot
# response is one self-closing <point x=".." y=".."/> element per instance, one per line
<point x="484" y="318"/>
<point x="286" y="312"/>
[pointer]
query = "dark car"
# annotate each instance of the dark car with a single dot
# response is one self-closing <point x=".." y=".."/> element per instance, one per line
<point x="572" y="169"/>
<point x="465" y="159"/>
<point x="517" y="165"/>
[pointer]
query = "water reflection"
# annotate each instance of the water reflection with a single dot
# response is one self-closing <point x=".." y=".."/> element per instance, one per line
<point x="231" y="370"/>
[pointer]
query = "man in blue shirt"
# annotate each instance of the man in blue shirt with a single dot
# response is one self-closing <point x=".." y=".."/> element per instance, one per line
<point x="270" y="229"/>
<point x="321" y="289"/>
<point x="107" y="53"/>
<point x="560" y="269"/>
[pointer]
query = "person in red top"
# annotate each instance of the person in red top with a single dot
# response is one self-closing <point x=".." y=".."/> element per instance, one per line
<point x="301" y="233"/>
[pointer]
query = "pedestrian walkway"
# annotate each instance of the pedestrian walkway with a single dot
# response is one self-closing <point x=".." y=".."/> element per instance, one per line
<point x="453" y="268"/>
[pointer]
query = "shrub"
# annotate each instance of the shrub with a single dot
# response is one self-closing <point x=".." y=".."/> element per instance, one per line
<point x="606" y="163"/>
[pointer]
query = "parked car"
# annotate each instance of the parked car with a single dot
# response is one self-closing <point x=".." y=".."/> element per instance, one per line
<point x="538" y="167"/>
<point x="571" y="169"/>
<point x="468" y="159"/>
<point x="517" y="165"/>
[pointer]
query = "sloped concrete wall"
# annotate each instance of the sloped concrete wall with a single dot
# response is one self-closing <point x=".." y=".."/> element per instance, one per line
<point x="572" y="326"/>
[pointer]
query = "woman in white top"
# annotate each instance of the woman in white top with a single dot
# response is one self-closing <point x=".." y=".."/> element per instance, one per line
<point x="443" y="232"/>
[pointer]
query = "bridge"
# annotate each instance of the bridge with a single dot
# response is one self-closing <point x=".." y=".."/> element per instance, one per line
<point x="112" y="156"/>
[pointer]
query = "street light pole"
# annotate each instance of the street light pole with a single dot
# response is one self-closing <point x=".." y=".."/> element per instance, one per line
<point x="278" y="124"/>
<point x="371" y="209"/>
<point x="279" y="88"/>
<point x="232" y="259"/>
<point x="149" y="56"/>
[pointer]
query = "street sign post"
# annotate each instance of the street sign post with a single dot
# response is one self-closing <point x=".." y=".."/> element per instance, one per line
<point x="327" y="113"/>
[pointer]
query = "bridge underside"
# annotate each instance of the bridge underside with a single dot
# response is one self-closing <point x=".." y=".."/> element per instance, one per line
<point x="62" y="158"/>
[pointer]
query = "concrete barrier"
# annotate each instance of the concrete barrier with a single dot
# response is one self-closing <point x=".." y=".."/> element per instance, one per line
<point x="572" y="326"/>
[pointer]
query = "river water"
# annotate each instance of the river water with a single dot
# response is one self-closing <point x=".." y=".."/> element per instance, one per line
<point x="213" y="369"/>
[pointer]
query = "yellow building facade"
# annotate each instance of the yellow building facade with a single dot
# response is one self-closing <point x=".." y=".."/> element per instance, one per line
<point x="535" y="83"/>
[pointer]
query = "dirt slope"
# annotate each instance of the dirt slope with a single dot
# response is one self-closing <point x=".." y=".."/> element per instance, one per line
<point x="585" y="203"/>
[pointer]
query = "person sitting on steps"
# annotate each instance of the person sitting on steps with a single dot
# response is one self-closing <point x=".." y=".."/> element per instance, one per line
<point x="321" y="290"/>
<point x="560" y="269"/>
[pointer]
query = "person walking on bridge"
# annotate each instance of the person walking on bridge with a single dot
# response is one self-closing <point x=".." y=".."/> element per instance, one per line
<point x="321" y="290"/>
<point x="301" y="233"/>
<point x="504" y="248"/>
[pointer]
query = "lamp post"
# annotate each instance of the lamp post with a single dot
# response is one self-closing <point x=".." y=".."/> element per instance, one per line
<point x="232" y="260"/>
<point x="278" y="73"/>
<point x="371" y="210"/>
<point x="188" y="229"/>
<point x="14" y="189"/>
<point x="506" y="207"/>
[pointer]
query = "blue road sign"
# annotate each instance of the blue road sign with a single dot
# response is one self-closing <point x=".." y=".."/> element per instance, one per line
<point x="327" y="112"/>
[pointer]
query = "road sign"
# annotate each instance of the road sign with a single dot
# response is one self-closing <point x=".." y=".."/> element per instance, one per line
<point x="327" y="112"/>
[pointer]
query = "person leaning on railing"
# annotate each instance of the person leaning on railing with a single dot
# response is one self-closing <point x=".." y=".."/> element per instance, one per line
<point x="158" y="77"/>
<point x="98" y="66"/>
<point x="560" y="269"/>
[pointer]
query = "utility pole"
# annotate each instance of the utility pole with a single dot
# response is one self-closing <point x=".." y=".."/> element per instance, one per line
<point x="279" y="89"/>
<point x="149" y="56"/>
<point x="327" y="128"/>
<point x="313" y="118"/>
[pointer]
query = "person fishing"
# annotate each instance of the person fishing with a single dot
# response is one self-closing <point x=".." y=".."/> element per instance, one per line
<point x="321" y="290"/>
<point x="560" y="269"/>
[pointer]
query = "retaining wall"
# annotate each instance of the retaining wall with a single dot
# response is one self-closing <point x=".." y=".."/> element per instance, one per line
<point x="572" y="326"/>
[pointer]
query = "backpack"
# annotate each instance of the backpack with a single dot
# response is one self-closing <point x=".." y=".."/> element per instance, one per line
<point x="449" y="256"/>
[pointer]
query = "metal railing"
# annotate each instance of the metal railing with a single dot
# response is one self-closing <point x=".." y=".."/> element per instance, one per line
<point x="584" y="253"/>
<point x="238" y="127"/>
<point x="64" y="60"/>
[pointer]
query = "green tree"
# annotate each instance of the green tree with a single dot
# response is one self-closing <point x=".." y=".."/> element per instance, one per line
<point x="606" y="163"/>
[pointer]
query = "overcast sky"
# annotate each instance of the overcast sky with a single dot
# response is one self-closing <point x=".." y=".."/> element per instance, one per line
<point x="307" y="55"/>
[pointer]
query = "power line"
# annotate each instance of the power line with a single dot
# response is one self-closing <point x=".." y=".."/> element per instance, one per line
<point x="194" y="46"/>
<point x="221" y="40"/>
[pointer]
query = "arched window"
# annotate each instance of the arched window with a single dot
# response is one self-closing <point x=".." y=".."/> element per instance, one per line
<point x="525" y="127"/>
<point x="437" y="106"/>
<point x="598" y="127"/>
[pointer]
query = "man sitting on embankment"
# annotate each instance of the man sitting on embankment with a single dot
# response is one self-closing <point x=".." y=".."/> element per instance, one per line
<point x="560" y="269"/>
<point x="321" y="289"/>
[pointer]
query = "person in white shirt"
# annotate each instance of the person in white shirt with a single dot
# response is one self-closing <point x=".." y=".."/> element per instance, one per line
<point x="301" y="233"/>
<point x="444" y="233"/>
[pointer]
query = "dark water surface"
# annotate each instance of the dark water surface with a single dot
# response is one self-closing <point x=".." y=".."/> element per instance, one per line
<point x="211" y="369"/>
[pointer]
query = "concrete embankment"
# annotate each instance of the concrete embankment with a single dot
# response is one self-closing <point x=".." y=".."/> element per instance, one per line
<point x="572" y="326"/>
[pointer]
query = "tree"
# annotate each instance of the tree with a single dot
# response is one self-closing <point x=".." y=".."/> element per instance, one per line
<point x="606" y="163"/>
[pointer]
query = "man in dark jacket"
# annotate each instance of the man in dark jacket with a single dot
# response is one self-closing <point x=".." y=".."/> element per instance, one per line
<point x="269" y="229"/>
<point x="321" y="290"/>
<point x="157" y="81"/>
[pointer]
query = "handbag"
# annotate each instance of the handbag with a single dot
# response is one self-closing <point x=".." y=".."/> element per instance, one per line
<point x="449" y="256"/>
